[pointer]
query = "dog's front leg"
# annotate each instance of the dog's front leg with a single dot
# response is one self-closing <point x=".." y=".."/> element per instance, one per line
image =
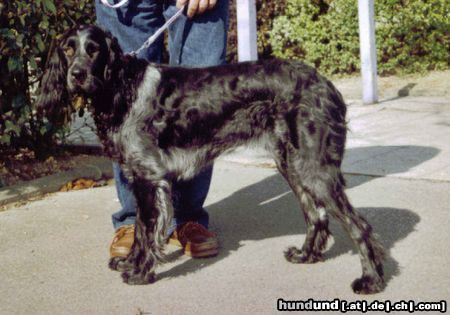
<point x="154" y="212"/>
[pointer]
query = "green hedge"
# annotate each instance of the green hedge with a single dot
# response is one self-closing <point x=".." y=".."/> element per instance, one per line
<point x="411" y="35"/>
<point x="27" y="29"/>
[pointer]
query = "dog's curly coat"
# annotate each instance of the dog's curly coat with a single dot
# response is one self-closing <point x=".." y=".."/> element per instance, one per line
<point x="166" y="123"/>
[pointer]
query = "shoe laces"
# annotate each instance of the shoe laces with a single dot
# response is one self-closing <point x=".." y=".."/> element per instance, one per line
<point x="191" y="228"/>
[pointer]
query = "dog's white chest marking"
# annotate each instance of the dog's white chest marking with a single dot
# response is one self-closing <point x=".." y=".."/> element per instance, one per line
<point x="133" y="143"/>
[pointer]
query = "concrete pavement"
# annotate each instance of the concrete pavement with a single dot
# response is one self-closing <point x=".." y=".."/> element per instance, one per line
<point x="54" y="251"/>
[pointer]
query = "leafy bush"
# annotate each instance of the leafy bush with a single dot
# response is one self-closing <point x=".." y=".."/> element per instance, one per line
<point x="27" y="29"/>
<point x="411" y="35"/>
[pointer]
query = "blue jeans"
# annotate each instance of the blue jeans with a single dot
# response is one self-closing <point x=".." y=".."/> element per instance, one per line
<point x="200" y="41"/>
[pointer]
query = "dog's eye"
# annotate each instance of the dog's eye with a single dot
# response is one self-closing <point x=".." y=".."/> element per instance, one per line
<point x="69" y="47"/>
<point x="92" y="49"/>
<point x="69" y="51"/>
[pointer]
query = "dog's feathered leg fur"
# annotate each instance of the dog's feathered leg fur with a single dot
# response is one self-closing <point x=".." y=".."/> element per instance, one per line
<point x="142" y="165"/>
<point x="153" y="215"/>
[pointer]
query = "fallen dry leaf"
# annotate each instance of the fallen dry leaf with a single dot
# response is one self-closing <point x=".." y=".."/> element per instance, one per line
<point x="82" y="183"/>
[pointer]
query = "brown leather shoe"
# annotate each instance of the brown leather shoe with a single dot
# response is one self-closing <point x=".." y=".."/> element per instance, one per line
<point x="195" y="239"/>
<point x="122" y="242"/>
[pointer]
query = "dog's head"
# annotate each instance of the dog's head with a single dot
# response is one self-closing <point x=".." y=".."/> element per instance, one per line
<point x="81" y="64"/>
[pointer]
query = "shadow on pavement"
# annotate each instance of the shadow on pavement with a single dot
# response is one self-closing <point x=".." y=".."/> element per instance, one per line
<point x="385" y="160"/>
<point x="268" y="209"/>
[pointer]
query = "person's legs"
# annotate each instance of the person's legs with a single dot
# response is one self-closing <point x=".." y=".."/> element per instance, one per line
<point x="131" y="25"/>
<point x="127" y="214"/>
<point x="192" y="43"/>
<point x="199" y="42"/>
<point x="188" y="199"/>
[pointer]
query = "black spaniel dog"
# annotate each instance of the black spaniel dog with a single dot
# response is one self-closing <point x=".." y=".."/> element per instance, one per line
<point x="166" y="123"/>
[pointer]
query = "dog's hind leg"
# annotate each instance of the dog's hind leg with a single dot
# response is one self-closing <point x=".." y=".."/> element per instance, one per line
<point x="370" y="251"/>
<point x="317" y="231"/>
<point x="154" y="212"/>
<point x="322" y="186"/>
<point x="316" y="218"/>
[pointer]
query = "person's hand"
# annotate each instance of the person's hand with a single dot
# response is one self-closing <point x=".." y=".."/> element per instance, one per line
<point x="196" y="6"/>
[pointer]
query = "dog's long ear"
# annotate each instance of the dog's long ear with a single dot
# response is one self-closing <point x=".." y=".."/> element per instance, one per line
<point x="53" y="96"/>
<point x="114" y="55"/>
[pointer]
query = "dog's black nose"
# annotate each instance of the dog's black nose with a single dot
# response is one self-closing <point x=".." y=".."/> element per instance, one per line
<point x="78" y="74"/>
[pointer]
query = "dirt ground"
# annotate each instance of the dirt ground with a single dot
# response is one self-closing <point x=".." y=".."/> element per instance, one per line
<point x="20" y="167"/>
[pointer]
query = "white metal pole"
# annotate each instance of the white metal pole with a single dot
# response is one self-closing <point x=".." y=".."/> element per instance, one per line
<point x="246" y="30"/>
<point x="366" y="13"/>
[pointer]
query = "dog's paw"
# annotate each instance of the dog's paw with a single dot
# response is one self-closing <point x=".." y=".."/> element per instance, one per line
<point x="138" y="278"/>
<point x="368" y="285"/>
<point x="120" y="264"/>
<point x="297" y="256"/>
